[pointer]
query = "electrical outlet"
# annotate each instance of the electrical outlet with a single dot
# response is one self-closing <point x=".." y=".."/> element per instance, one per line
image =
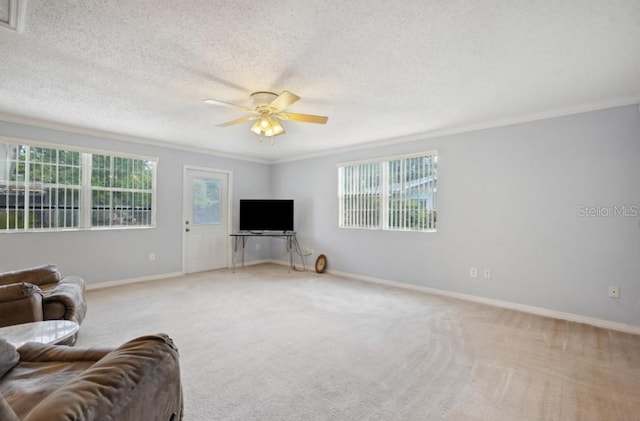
<point x="614" y="291"/>
<point x="152" y="257"/>
<point x="257" y="246"/>
<point x="473" y="272"/>
<point x="487" y="274"/>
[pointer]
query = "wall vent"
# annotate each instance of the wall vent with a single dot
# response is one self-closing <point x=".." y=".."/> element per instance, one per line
<point x="12" y="14"/>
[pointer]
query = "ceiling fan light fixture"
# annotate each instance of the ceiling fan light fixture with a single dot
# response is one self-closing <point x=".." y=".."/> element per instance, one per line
<point x="268" y="109"/>
<point x="256" y="128"/>
<point x="267" y="126"/>
<point x="276" y="127"/>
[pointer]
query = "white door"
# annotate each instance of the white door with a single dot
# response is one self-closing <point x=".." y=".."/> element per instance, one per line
<point x="206" y="215"/>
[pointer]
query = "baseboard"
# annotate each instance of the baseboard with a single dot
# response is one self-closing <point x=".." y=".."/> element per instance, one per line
<point x="252" y="263"/>
<point x="120" y="282"/>
<point x="109" y="284"/>
<point x="297" y="266"/>
<point x="539" y="311"/>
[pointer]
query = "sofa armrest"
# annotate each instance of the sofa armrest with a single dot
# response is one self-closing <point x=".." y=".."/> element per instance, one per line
<point x="39" y="275"/>
<point x="139" y="380"/>
<point x="65" y="300"/>
<point x="20" y="303"/>
<point x="33" y="352"/>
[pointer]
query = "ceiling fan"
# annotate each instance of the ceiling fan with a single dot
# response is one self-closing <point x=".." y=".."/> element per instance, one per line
<point x="268" y="109"/>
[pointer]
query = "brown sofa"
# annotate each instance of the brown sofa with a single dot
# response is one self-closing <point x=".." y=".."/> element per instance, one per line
<point x="41" y="293"/>
<point x="139" y="380"/>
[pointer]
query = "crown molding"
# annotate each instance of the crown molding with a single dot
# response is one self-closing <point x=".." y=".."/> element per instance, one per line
<point x="525" y="118"/>
<point x="45" y="124"/>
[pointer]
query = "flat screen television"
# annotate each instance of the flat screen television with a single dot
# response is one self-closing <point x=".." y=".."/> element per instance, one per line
<point x="266" y="215"/>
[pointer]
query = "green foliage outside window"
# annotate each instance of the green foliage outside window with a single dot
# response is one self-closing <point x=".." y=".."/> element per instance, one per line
<point x="121" y="173"/>
<point x="121" y="191"/>
<point x="41" y="188"/>
<point x="410" y="214"/>
<point x="12" y="219"/>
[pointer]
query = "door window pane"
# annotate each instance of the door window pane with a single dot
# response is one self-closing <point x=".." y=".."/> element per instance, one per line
<point x="206" y="201"/>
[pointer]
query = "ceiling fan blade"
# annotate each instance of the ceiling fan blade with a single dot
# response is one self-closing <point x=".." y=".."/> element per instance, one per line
<point x="304" y="118"/>
<point x="239" y="120"/>
<point x="227" y="104"/>
<point x="283" y="100"/>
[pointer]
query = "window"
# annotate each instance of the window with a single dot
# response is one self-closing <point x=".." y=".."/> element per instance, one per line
<point x="44" y="188"/>
<point x="393" y="193"/>
<point x="121" y="191"/>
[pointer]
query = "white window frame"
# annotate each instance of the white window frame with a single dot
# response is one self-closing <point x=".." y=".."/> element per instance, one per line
<point x="112" y="190"/>
<point x="85" y="201"/>
<point x="382" y="222"/>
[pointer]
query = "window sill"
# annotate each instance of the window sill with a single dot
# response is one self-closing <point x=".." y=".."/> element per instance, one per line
<point x="116" y="228"/>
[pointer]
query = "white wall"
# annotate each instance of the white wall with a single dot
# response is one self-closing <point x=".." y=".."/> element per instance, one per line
<point x="509" y="201"/>
<point x="110" y="255"/>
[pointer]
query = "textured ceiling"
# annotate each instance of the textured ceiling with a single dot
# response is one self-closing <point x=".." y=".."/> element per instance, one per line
<point x="380" y="70"/>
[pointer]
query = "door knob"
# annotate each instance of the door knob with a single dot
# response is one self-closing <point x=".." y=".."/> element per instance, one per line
<point x="187" y="230"/>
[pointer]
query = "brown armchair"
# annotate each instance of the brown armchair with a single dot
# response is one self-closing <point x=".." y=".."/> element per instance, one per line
<point x="140" y="380"/>
<point x="41" y="293"/>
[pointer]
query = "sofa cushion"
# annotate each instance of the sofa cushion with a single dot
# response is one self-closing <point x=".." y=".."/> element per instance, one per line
<point x="9" y="357"/>
<point x="46" y="274"/>
<point x="29" y="383"/>
<point x="44" y="369"/>
<point x="6" y="412"/>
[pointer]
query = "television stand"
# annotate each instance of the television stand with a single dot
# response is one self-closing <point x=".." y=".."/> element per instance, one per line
<point x="241" y="237"/>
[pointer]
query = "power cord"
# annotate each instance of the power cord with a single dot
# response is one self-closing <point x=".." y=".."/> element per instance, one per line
<point x="298" y="251"/>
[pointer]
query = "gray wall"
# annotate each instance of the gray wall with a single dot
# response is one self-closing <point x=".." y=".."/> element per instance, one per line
<point x="509" y="200"/>
<point x="123" y="254"/>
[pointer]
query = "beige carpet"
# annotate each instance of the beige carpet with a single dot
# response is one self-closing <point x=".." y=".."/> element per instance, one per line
<point x="264" y="344"/>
